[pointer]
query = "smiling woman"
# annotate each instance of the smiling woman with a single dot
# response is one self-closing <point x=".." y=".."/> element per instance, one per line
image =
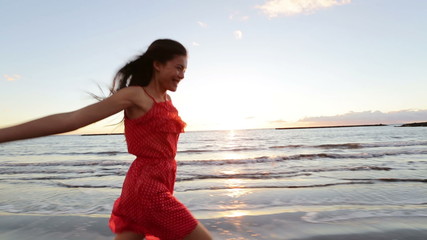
<point x="146" y="207"/>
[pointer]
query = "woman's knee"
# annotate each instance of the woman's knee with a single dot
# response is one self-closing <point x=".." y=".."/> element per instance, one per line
<point x="129" y="236"/>
<point x="199" y="233"/>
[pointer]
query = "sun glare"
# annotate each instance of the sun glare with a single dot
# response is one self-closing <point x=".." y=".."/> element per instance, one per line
<point x="232" y="124"/>
<point x="237" y="192"/>
<point x="228" y="172"/>
<point x="237" y="213"/>
<point x="233" y="183"/>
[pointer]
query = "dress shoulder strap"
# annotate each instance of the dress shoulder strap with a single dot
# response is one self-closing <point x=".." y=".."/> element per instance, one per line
<point x="154" y="100"/>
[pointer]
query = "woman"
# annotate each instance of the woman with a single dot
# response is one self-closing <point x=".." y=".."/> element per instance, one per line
<point x="146" y="206"/>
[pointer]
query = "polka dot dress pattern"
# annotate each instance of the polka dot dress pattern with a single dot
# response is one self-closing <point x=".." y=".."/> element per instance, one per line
<point x="147" y="205"/>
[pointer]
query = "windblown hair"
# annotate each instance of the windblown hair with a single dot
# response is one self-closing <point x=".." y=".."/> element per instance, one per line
<point x="139" y="71"/>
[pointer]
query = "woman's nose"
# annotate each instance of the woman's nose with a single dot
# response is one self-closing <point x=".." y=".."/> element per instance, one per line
<point x="181" y="74"/>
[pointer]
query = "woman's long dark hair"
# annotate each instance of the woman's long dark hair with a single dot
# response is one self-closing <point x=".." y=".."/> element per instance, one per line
<point x="139" y="71"/>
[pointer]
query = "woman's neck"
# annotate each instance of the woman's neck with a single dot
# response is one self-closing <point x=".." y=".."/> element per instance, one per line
<point x="156" y="92"/>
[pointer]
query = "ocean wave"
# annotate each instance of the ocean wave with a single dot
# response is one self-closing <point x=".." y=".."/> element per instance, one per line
<point x="68" y="163"/>
<point x="261" y="159"/>
<point x="341" y="146"/>
<point x="12" y="171"/>
<point x="254" y="185"/>
<point x="394" y="144"/>
<point x="284" y="186"/>
<point x="258" y="175"/>
<point x="421" y="180"/>
<point x="247" y="186"/>
<point x="53" y="153"/>
<point x="44" y="178"/>
<point x="85" y="185"/>
<point x="307" y="156"/>
<point x="356" y="145"/>
<point x="278" y="175"/>
<point x="276" y="186"/>
<point x="194" y="151"/>
<point x="221" y="149"/>
<point x="118" y="167"/>
<point x="84" y="173"/>
<point x="63" y="175"/>
<point x="287" y="146"/>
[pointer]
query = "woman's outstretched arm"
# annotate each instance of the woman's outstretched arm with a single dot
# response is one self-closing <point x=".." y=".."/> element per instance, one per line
<point x="69" y="121"/>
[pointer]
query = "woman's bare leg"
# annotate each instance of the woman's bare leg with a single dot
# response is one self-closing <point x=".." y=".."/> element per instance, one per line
<point x="199" y="233"/>
<point x="129" y="236"/>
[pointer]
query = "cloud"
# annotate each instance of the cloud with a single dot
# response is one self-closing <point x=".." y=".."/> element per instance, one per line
<point x="279" y="121"/>
<point x="238" y="16"/>
<point x="276" y="8"/>
<point x="368" y="117"/>
<point x="12" y="78"/>
<point x="195" y="44"/>
<point x="202" y="24"/>
<point x="238" y="34"/>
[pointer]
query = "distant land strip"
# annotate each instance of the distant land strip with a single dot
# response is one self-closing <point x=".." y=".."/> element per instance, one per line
<point x="342" y="126"/>
<point x="101" y="134"/>
<point x="417" y="124"/>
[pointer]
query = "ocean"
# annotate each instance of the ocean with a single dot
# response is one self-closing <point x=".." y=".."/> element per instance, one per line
<point x="326" y="174"/>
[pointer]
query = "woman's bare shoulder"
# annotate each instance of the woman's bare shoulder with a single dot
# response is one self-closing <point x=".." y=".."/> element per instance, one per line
<point x="134" y="94"/>
<point x="131" y="90"/>
<point x="141" y="102"/>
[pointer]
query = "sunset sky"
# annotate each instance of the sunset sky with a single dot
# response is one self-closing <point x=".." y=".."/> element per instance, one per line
<point x="252" y="63"/>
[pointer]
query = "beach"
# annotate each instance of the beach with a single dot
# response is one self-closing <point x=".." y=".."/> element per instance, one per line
<point x="281" y="226"/>
<point x="296" y="184"/>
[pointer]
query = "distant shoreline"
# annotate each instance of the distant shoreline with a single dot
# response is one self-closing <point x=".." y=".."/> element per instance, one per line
<point x="100" y="134"/>
<point x="417" y="124"/>
<point x="342" y="126"/>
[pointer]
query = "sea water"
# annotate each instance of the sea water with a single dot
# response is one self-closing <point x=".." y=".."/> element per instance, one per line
<point x="329" y="174"/>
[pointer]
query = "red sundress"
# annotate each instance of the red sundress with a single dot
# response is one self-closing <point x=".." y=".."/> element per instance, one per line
<point x="146" y="204"/>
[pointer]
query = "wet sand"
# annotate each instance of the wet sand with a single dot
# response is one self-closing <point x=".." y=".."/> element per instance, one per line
<point x="279" y="226"/>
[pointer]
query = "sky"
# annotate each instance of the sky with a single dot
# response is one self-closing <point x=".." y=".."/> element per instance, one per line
<point x="251" y="63"/>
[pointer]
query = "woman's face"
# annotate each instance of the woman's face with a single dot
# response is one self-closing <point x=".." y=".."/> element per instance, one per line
<point x="171" y="73"/>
